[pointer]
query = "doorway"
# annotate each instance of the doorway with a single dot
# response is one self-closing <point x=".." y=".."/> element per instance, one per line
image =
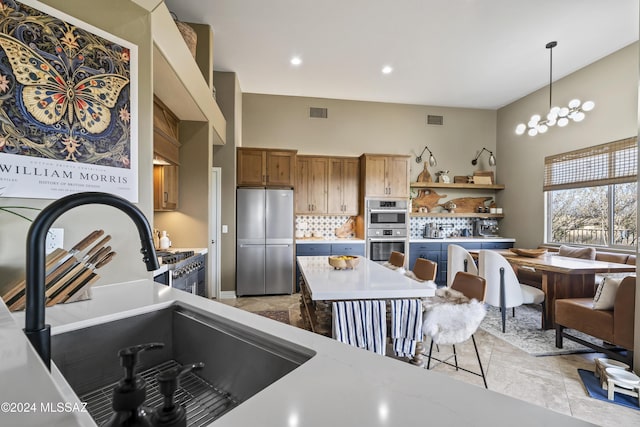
<point x="214" y="229"/>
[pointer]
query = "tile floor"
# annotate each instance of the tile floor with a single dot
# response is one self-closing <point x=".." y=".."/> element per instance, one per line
<point x="551" y="381"/>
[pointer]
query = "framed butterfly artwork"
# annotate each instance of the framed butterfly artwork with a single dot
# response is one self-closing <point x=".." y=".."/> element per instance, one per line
<point x="68" y="109"/>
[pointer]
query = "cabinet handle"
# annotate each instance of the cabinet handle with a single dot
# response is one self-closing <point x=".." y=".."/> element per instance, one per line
<point x="267" y="178"/>
<point x="166" y="197"/>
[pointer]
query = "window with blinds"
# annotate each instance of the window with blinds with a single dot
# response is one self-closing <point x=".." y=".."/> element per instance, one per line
<point x="611" y="163"/>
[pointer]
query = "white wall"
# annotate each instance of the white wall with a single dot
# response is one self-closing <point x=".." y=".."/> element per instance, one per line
<point x="612" y="83"/>
<point x="356" y="127"/>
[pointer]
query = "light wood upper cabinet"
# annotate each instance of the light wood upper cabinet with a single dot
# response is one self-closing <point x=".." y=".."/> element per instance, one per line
<point x="265" y="167"/>
<point x="165" y="188"/>
<point x="311" y="184"/>
<point x="342" y="197"/>
<point x="385" y="175"/>
<point x="166" y="147"/>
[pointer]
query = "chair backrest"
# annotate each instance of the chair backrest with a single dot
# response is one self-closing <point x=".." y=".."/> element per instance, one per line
<point x="425" y="269"/>
<point x="624" y="312"/>
<point x="456" y="257"/>
<point x="471" y="285"/>
<point x="397" y="259"/>
<point x="490" y="263"/>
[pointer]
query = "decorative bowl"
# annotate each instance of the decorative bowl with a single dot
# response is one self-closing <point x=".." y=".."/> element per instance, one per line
<point x="531" y="253"/>
<point x="343" y="262"/>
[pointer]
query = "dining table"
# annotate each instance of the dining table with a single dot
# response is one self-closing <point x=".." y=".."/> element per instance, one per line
<point x="321" y="284"/>
<point x="563" y="277"/>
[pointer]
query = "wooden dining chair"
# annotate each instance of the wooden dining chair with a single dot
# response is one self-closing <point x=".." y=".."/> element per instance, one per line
<point x="470" y="285"/>
<point x="425" y="269"/>
<point x="396" y="259"/>
<point x="469" y="319"/>
<point x="459" y="259"/>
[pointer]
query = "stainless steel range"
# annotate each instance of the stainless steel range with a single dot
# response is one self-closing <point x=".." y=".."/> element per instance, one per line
<point x="186" y="271"/>
<point x="387" y="228"/>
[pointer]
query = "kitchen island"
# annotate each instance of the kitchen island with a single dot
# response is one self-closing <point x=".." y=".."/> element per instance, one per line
<point x="340" y="385"/>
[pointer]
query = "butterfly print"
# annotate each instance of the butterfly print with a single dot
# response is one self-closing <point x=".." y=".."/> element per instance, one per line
<point x="48" y="95"/>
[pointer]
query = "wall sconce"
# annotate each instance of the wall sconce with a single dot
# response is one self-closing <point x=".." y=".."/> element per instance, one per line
<point x="432" y="160"/>
<point x="492" y="158"/>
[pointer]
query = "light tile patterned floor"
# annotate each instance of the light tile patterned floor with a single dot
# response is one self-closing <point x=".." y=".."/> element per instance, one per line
<point x="550" y="381"/>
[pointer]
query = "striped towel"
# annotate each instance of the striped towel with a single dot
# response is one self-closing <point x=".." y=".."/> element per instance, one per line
<point x="361" y="323"/>
<point x="406" y="326"/>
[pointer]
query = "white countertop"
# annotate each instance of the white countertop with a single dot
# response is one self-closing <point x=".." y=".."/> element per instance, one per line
<point x="369" y="280"/>
<point x="339" y="386"/>
<point x="325" y="241"/>
<point x="464" y="240"/>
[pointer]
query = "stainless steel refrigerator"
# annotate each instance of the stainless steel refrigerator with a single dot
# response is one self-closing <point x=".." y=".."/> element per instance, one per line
<point x="265" y="230"/>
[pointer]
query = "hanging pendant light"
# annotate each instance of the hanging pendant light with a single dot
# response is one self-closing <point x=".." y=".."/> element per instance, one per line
<point x="556" y="115"/>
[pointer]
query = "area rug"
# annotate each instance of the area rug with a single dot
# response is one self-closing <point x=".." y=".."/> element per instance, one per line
<point x="592" y="384"/>
<point x="523" y="331"/>
<point x="279" y="315"/>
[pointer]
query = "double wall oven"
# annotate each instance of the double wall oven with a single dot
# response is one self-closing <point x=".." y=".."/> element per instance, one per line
<point x="387" y="227"/>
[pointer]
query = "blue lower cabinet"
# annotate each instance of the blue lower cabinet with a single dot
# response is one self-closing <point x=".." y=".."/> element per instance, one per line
<point x="347" y="249"/>
<point x="497" y="245"/>
<point x="313" y="249"/>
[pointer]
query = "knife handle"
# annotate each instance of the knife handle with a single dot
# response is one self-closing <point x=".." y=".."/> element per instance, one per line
<point x="97" y="246"/>
<point x="84" y="243"/>
<point x="104" y="261"/>
<point x="98" y="256"/>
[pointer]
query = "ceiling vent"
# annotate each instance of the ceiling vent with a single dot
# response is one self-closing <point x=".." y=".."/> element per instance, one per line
<point x="435" y="120"/>
<point x="318" y="113"/>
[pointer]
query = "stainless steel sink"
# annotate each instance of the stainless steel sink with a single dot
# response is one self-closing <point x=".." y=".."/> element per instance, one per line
<point x="239" y="361"/>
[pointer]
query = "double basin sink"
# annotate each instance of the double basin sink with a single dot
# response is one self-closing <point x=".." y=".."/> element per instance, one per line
<point x="238" y="361"/>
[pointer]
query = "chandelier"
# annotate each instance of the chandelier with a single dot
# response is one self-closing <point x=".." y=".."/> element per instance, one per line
<point x="557" y="115"/>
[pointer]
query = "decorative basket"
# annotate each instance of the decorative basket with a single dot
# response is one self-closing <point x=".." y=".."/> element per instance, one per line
<point x="343" y="262"/>
<point x="188" y="34"/>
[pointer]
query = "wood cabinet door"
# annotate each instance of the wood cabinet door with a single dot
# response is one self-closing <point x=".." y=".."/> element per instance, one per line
<point x="343" y="184"/>
<point x="375" y="183"/>
<point x="398" y="177"/>
<point x="301" y="190"/>
<point x="165" y="188"/>
<point x="350" y="181"/>
<point x="281" y="166"/>
<point x="251" y="167"/>
<point x="335" y="202"/>
<point x="318" y="185"/>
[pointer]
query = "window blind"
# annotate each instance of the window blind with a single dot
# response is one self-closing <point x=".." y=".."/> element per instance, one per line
<point x="611" y="163"/>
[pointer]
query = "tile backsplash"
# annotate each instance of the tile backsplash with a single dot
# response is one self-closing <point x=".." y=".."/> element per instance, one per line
<point x="451" y="226"/>
<point x="325" y="225"/>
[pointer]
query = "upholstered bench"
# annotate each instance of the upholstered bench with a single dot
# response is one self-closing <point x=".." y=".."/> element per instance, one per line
<point x="614" y="326"/>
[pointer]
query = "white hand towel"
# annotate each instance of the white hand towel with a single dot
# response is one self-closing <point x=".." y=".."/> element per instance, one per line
<point x="406" y="325"/>
<point x="361" y="324"/>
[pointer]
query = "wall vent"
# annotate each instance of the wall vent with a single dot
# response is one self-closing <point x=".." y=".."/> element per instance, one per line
<point x="435" y="120"/>
<point x="318" y="113"/>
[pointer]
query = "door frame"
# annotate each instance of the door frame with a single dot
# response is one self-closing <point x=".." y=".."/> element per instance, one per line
<point x="215" y="213"/>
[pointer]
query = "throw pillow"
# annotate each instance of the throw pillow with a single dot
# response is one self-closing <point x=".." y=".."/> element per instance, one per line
<point x="605" y="295"/>
<point x="584" y="253"/>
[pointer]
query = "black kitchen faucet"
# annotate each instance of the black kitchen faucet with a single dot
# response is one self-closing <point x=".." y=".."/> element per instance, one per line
<point x="35" y="329"/>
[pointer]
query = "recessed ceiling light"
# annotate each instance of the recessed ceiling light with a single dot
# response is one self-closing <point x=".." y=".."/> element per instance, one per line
<point x="296" y="60"/>
<point x="387" y="69"/>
